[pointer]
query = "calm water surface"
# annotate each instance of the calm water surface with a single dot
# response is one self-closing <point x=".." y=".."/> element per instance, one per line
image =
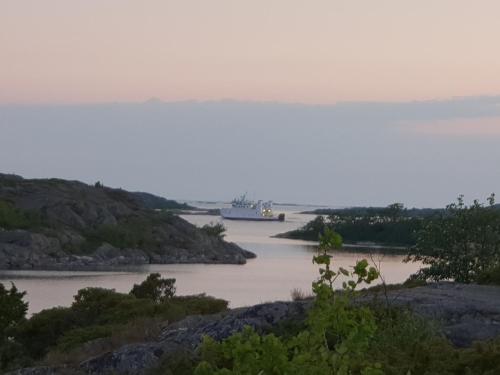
<point x="280" y="266"/>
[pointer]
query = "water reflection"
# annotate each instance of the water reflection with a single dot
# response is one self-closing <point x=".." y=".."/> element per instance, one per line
<point x="280" y="266"/>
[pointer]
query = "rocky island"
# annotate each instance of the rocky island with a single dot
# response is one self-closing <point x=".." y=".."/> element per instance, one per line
<point x="69" y="225"/>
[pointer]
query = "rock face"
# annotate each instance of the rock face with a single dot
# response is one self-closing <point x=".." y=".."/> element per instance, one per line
<point x="71" y="225"/>
<point x="465" y="313"/>
<point x="21" y="249"/>
<point x="186" y="336"/>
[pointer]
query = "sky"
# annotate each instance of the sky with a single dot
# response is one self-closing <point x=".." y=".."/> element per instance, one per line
<point x="316" y="52"/>
<point x="423" y="154"/>
<point x="327" y="102"/>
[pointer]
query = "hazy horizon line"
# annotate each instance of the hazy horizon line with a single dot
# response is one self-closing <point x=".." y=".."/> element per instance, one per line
<point x="218" y="201"/>
<point x="156" y="100"/>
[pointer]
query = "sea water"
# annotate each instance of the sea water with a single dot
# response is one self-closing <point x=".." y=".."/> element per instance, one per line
<point x="281" y="265"/>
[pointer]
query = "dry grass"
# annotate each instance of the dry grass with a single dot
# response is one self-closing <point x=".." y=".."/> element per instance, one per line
<point x="299" y="295"/>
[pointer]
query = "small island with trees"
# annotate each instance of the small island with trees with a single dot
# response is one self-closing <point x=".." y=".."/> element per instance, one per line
<point x="393" y="228"/>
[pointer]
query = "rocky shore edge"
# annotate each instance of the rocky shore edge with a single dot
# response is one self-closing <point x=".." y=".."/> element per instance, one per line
<point x="24" y="250"/>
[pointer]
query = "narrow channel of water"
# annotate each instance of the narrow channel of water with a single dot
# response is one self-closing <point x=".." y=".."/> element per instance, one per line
<point x="280" y="266"/>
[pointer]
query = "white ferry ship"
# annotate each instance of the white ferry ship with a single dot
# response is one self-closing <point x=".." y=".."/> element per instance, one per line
<point x="243" y="209"/>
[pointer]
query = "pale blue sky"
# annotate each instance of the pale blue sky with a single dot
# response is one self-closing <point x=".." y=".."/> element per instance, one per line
<point x="418" y="153"/>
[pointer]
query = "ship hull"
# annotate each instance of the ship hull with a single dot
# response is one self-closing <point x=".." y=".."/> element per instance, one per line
<point x="246" y="214"/>
<point x="254" y="218"/>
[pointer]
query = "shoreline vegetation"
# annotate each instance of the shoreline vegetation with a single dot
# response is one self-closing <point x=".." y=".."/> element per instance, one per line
<point x="392" y="229"/>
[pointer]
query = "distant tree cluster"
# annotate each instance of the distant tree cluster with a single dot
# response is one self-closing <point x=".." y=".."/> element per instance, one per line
<point x="461" y="244"/>
<point x="387" y="226"/>
<point x="214" y="229"/>
<point x="394" y="209"/>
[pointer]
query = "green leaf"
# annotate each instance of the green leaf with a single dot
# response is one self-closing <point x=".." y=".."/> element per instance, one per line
<point x="343" y="271"/>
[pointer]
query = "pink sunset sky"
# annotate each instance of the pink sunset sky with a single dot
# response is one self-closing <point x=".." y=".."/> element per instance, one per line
<point x="316" y="52"/>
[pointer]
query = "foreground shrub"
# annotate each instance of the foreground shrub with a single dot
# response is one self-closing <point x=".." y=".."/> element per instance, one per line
<point x="490" y="276"/>
<point x="12" y="314"/>
<point x="12" y="309"/>
<point x="105" y="306"/>
<point x="408" y="344"/>
<point x="43" y="329"/>
<point x="101" y="320"/>
<point x="340" y="336"/>
<point x="335" y="338"/>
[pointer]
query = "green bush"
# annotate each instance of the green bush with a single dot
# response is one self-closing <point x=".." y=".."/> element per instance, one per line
<point x="12" y="356"/>
<point x="490" y="276"/>
<point x="482" y="358"/>
<point x="460" y="244"/>
<point x="405" y="343"/>
<point x="214" y="229"/>
<point x="340" y="337"/>
<point x="12" y="314"/>
<point x="200" y="304"/>
<point x="12" y="309"/>
<point x="41" y="332"/>
<point x="131" y="232"/>
<point x="78" y="336"/>
<point x="335" y="339"/>
<point x="155" y="288"/>
<point x="105" y="306"/>
<point x="178" y="363"/>
<point x="99" y="313"/>
<point x="13" y="218"/>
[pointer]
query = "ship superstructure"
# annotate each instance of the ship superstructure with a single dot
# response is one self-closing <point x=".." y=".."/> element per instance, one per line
<point x="244" y="209"/>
